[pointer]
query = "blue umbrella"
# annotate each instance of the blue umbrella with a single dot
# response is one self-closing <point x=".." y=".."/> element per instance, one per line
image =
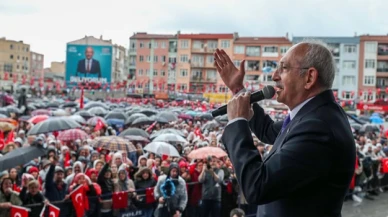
<point x="115" y="122"/>
<point x="376" y="120"/>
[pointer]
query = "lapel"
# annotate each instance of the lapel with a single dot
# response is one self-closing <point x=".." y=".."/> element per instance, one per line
<point x="317" y="101"/>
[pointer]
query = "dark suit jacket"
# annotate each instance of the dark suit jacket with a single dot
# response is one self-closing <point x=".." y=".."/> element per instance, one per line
<point x="96" y="69"/>
<point x="309" y="169"/>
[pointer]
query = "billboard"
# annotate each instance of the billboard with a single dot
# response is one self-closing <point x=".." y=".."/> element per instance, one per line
<point x="88" y="64"/>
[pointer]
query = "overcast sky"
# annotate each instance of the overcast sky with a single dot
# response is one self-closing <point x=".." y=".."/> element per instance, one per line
<point x="47" y="25"/>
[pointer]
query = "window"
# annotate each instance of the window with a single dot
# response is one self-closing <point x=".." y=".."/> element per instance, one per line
<point x="11" y="46"/>
<point x="140" y="72"/>
<point x="349" y="64"/>
<point x="350" y="48"/>
<point x="283" y="50"/>
<point x="371" y="47"/>
<point x="271" y="49"/>
<point x="225" y="43"/>
<point x="141" y="44"/>
<point x="197" y="59"/>
<point x="162" y="73"/>
<point x="211" y="74"/>
<point x="348" y="80"/>
<point x="369" y="80"/>
<point x="17" y="66"/>
<point x="155" y="72"/>
<point x="27" y="49"/>
<point x="347" y="95"/>
<point x="149" y="45"/>
<point x="239" y="49"/>
<point x="223" y="89"/>
<point x="155" y="44"/>
<point x="197" y="44"/>
<point x="18" y="58"/>
<point x="163" y="45"/>
<point x="183" y="87"/>
<point x="370" y="64"/>
<point x="184" y="58"/>
<point x="8" y="67"/>
<point x="183" y="73"/>
<point x="148" y="58"/>
<point x="22" y="58"/>
<point x="155" y="59"/>
<point x="212" y="44"/>
<point x="237" y="63"/>
<point x="210" y="59"/>
<point x="164" y="59"/>
<point x="172" y="60"/>
<point x="184" y="44"/>
<point x="253" y="51"/>
<point x="133" y="45"/>
<point x="11" y="56"/>
<point x="141" y="58"/>
<point x="147" y="72"/>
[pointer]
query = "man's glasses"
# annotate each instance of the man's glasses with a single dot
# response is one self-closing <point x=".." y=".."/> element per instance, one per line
<point x="281" y="67"/>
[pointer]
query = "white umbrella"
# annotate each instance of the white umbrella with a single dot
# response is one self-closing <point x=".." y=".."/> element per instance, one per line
<point x="170" y="137"/>
<point x="162" y="148"/>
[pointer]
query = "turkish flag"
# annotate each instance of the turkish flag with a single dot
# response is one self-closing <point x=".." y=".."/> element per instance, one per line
<point x="81" y="100"/>
<point x="384" y="165"/>
<point x="150" y="195"/>
<point x="78" y="197"/>
<point x="18" y="211"/>
<point x="67" y="160"/>
<point x="99" y="125"/>
<point x="2" y="142"/>
<point x="10" y="137"/>
<point x="120" y="200"/>
<point x="53" y="211"/>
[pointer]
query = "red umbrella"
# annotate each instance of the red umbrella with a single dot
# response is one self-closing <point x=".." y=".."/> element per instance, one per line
<point x="203" y="153"/>
<point x="38" y="118"/>
<point x="185" y="117"/>
<point x="40" y="112"/>
<point x="72" y="134"/>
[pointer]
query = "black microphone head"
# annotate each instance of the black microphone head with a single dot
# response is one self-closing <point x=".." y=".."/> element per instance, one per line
<point x="268" y="92"/>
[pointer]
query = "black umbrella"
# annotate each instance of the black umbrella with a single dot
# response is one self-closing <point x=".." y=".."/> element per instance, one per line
<point x="116" y="115"/>
<point x="356" y="127"/>
<point x="99" y="111"/>
<point x="133" y="117"/>
<point x="20" y="156"/>
<point x="206" y="116"/>
<point x="369" y="128"/>
<point x="96" y="104"/>
<point x="143" y="121"/>
<point x="167" y="131"/>
<point x="54" y="124"/>
<point x="149" y="112"/>
<point x="169" y="116"/>
<point x="69" y="105"/>
<point x="134" y="132"/>
<point x="160" y="120"/>
<point x="85" y="114"/>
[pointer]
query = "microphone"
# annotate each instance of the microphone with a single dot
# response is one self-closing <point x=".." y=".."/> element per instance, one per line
<point x="266" y="93"/>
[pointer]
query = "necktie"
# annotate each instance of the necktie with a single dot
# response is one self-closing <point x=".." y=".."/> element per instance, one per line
<point x="88" y="68"/>
<point x="285" y="123"/>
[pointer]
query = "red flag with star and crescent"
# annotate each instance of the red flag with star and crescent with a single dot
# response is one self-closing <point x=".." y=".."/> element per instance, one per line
<point x="78" y="197"/>
<point x="18" y="211"/>
<point x="120" y="200"/>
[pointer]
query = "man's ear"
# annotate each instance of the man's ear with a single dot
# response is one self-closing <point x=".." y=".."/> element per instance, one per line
<point x="311" y="78"/>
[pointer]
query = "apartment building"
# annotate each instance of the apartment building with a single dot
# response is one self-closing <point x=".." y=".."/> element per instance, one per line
<point x="36" y="66"/>
<point x="152" y="62"/>
<point x="373" y="68"/>
<point x="196" y="72"/>
<point x="14" y="62"/>
<point x="345" y="51"/>
<point x="261" y="55"/>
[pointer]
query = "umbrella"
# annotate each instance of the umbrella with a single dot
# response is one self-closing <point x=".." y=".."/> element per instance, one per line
<point x="166" y="131"/>
<point x="22" y="118"/>
<point x="96" y="104"/>
<point x="162" y="148"/>
<point x="60" y="112"/>
<point x="160" y="120"/>
<point x="13" y="109"/>
<point x="210" y="125"/>
<point x="115" y="122"/>
<point x="170" y="137"/>
<point x="374" y="119"/>
<point x="20" y="156"/>
<point x="203" y="153"/>
<point x="41" y="112"/>
<point x="134" y="132"/>
<point x="356" y="127"/>
<point x="38" y="118"/>
<point x="53" y="124"/>
<point x="206" y="116"/>
<point x="85" y="114"/>
<point x="185" y="117"/>
<point x="52" y="105"/>
<point x="72" y="134"/>
<point x="137" y="138"/>
<point x="169" y="116"/>
<point x="4" y="112"/>
<point x="143" y="121"/>
<point x="99" y="111"/>
<point x="133" y="117"/>
<point x="5" y="126"/>
<point x="69" y="104"/>
<point x="149" y="112"/>
<point x="113" y="143"/>
<point x="93" y="121"/>
<point x="78" y="118"/>
<point x="369" y="128"/>
<point x="222" y="119"/>
<point x="116" y="115"/>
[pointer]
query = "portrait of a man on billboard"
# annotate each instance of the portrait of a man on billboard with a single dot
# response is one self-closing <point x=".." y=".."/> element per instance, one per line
<point x="88" y="65"/>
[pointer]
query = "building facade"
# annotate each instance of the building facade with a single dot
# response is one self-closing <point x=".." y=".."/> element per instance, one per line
<point x="261" y="55"/>
<point x="36" y="65"/>
<point x="373" y="68"/>
<point x="14" y="62"/>
<point x="119" y="63"/>
<point x="345" y="51"/>
<point x="152" y="62"/>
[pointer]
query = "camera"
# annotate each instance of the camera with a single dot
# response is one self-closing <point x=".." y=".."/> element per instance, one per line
<point x="208" y="160"/>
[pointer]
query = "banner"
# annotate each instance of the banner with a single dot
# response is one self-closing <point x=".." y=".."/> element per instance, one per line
<point x="88" y="64"/>
<point x="217" y="97"/>
<point x="131" y="213"/>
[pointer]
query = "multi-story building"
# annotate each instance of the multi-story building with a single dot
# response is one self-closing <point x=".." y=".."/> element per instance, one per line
<point x="14" y="62"/>
<point x="152" y="62"/>
<point x="373" y="68"/>
<point x="261" y="55"/>
<point x="36" y="65"/>
<point x="119" y="63"/>
<point x="345" y="51"/>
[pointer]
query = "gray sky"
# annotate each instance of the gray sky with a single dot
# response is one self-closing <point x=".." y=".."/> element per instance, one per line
<point x="47" y="25"/>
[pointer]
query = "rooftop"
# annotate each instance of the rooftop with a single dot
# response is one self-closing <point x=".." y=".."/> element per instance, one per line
<point x="206" y="36"/>
<point x="91" y="40"/>
<point x="351" y="39"/>
<point x="144" y="35"/>
<point x="262" y="40"/>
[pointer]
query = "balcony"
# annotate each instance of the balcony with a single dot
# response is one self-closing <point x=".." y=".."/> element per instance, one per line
<point x="382" y="66"/>
<point x="203" y="50"/>
<point x="132" y="50"/>
<point x="202" y="79"/>
<point x="172" y="50"/>
<point x="253" y="65"/>
<point x="382" y="50"/>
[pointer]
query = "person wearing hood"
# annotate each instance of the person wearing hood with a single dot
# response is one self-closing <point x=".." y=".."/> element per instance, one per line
<point x="143" y="180"/>
<point x="142" y="162"/>
<point x="45" y="168"/>
<point x="77" y="168"/>
<point x="106" y="183"/>
<point x="124" y="183"/>
<point x="171" y="193"/>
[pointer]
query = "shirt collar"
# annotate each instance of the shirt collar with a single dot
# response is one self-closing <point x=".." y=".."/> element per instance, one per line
<point x="298" y="107"/>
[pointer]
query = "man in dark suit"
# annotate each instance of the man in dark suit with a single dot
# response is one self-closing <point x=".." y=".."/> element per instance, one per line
<point x="89" y="65"/>
<point x="310" y="166"/>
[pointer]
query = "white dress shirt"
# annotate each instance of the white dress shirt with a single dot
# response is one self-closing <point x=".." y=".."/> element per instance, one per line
<point x="88" y="63"/>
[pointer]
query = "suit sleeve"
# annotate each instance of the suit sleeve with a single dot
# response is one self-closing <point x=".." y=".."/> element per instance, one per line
<point x="262" y="125"/>
<point x="79" y="68"/>
<point x="304" y="157"/>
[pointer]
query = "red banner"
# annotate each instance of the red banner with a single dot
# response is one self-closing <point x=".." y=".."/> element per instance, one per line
<point x="370" y="107"/>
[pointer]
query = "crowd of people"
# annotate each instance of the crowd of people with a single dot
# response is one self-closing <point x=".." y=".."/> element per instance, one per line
<point x="140" y="182"/>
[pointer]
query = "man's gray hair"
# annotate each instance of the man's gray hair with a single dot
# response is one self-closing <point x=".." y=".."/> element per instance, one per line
<point x="319" y="56"/>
